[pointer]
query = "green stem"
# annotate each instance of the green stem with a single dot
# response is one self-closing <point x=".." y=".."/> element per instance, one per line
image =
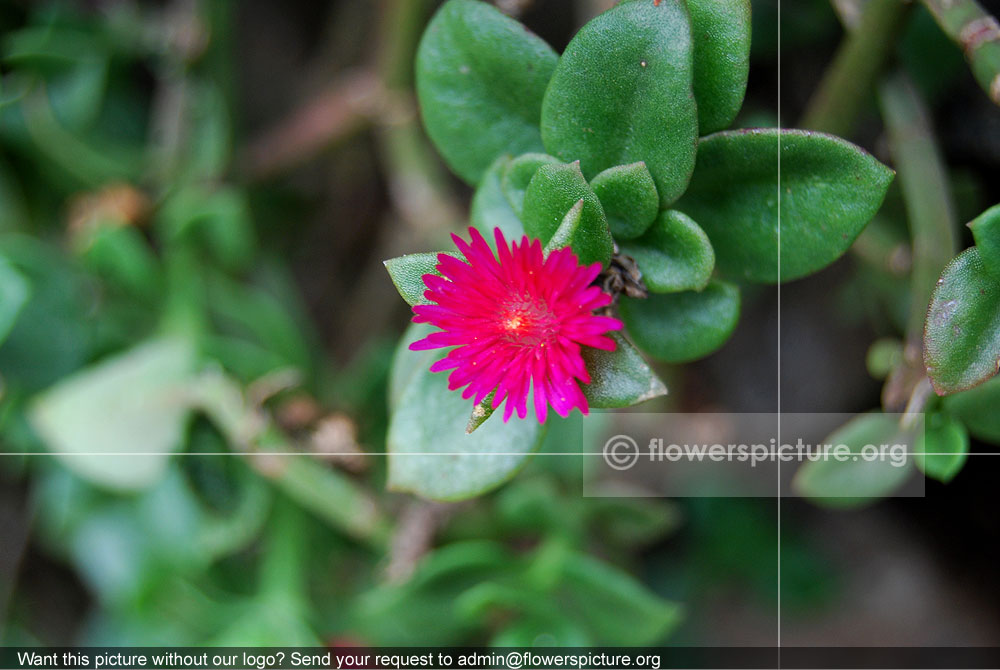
<point x="926" y="193"/>
<point x="847" y="83"/>
<point x="313" y="485"/>
<point x="329" y="494"/>
<point x="282" y="575"/>
<point x="401" y="22"/>
<point x="977" y="33"/>
<point x="418" y="184"/>
<point x="185" y="312"/>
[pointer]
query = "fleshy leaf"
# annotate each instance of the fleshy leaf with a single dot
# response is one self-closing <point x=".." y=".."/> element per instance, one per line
<point x="490" y="208"/>
<point x="619" y="378"/>
<point x="962" y="331"/>
<point x="131" y="404"/>
<point x="430" y="453"/>
<point x="481" y="413"/>
<point x="628" y="195"/>
<point x="622" y="93"/>
<point x="517" y="175"/>
<point x="720" y="34"/>
<point x="481" y="77"/>
<point x="986" y="232"/>
<point x="830" y="189"/>
<point x="856" y="481"/>
<point x="567" y="230"/>
<point x="407" y="274"/>
<point x="942" y="449"/>
<point x="977" y="408"/>
<point x="553" y="192"/>
<point x="674" y="254"/>
<point x="681" y="327"/>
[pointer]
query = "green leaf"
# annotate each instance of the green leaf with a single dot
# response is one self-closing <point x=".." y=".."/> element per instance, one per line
<point x="480" y="413"/>
<point x="942" y="449"/>
<point x="977" y="408"/>
<point x="621" y="93"/>
<point x="674" y="254"/>
<point x="397" y="613"/>
<point x="681" y="327"/>
<point x="217" y="221"/>
<point x="551" y="194"/>
<point x="567" y="230"/>
<point x="854" y="482"/>
<point x="430" y="453"/>
<point x="720" y="33"/>
<point x="407" y="274"/>
<point x="593" y="589"/>
<point x="490" y="208"/>
<point x="619" y="378"/>
<point x="261" y="314"/>
<point x="407" y="364"/>
<point x="986" y="232"/>
<point x="517" y="175"/>
<point x="884" y="355"/>
<point x="628" y="195"/>
<point x="480" y="81"/>
<point x="132" y="404"/>
<point x="830" y="189"/>
<point x="53" y="334"/>
<point x="123" y="257"/>
<point x="14" y="293"/>
<point x="555" y="629"/>
<point x="962" y="331"/>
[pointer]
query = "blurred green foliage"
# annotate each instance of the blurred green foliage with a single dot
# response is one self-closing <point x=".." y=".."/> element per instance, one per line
<point x="140" y="312"/>
<point x="142" y="302"/>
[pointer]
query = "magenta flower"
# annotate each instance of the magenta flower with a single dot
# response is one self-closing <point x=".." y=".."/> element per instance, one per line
<point x="516" y="320"/>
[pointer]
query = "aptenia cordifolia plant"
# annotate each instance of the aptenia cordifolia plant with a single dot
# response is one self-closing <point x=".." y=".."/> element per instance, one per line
<point x="617" y="151"/>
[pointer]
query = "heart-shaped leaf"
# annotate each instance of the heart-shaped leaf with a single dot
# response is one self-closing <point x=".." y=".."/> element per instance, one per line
<point x="977" y="408"/>
<point x="986" y="232"/>
<point x="490" y="209"/>
<point x="674" y="254"/>
<point x="680" y="327"/>
<point x="621" y="93"/>
<point x="942" y="449"/>
<point x="720" y="33"/>
<point x="553" y="192"/>
<point x="430" y="453"/>
<point x="851" y="480"/>
<point x="481" y="77"/>
<point x="830" y="189"/>
<point x="407" y="273"/>
<point x="132" y="406"/>
<point x="517" y="175"/>
<point x="962" y="331"/>
<point x="619" y="378"/>
<point x="628" y="195"/>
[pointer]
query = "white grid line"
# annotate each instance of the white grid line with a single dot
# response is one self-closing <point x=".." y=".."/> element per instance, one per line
<point x="706" y="458"/>
<point x="779" y="331"/>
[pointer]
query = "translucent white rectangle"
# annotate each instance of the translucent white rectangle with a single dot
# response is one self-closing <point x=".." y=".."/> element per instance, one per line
<point x="751" y="455"/>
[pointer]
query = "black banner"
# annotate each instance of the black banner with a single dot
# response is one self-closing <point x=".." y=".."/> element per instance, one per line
<point x="543" y="658"/>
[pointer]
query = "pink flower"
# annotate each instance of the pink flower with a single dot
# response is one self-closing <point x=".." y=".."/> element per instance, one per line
<point x="516" y="320"/>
